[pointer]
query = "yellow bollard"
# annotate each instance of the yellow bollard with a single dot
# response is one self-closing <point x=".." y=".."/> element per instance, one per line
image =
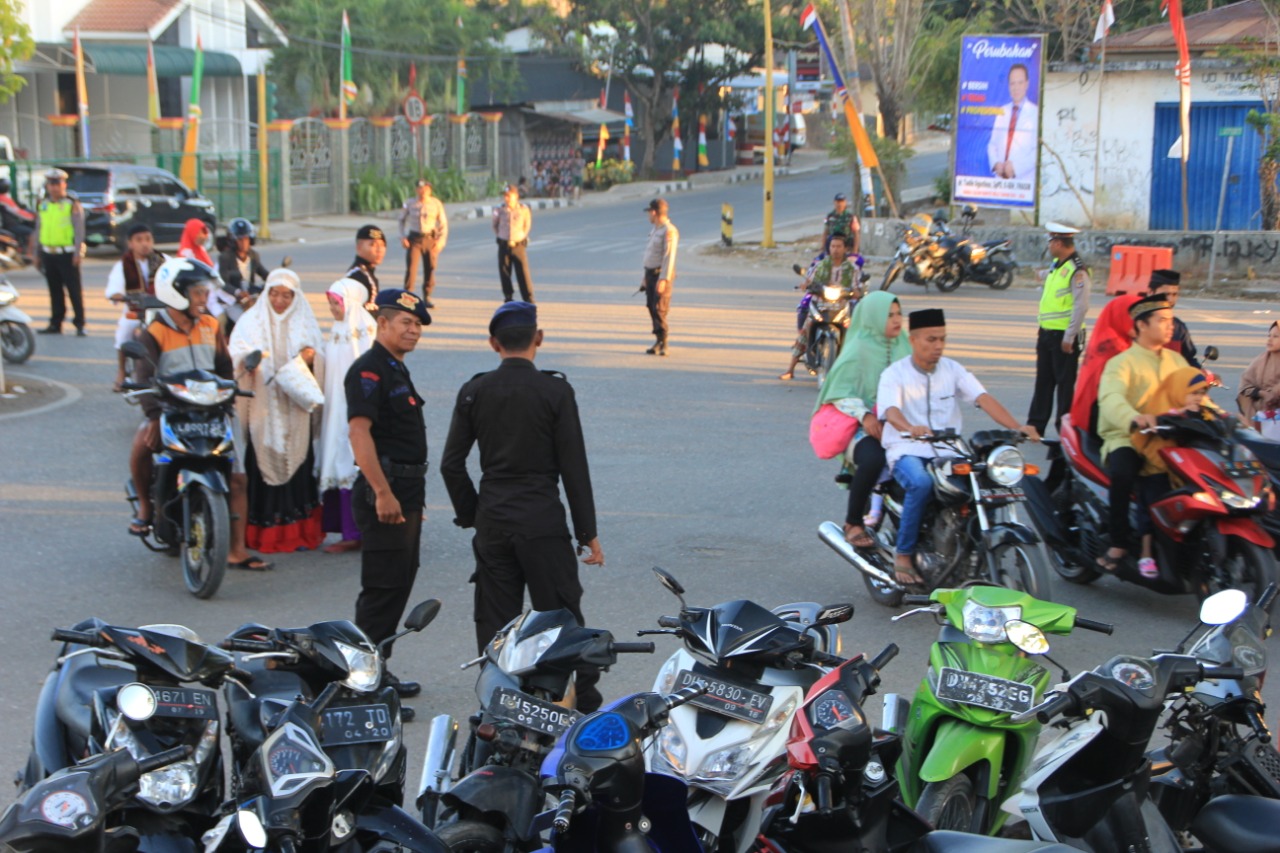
<point x="726" y="224"/>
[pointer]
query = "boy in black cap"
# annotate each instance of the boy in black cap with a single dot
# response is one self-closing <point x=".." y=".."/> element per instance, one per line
<point x="526" y="423"/>
<point x="389" y="440"/>
<point x="371" y="248"/>
<point x="1166" y="283"/>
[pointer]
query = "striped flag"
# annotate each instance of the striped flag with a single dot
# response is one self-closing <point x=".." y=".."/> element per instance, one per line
<point x="82" y="96"/>
<point x="626" y="143"/>
<point x="866" y="153"/>
<point x="730" y="126"/>
<point x="461" y="78"/>
<point x="626" y="108"/>
<point x="604" y="140"/>
<point x="153" y="86"/>
<point x="1173" y="8"/>
<point x="348" y="83"/>
<point x="677" y="144"/>
<point x="188" y="172"/>
<point x="702" y="142"/>
<point x="1105" y="21"/>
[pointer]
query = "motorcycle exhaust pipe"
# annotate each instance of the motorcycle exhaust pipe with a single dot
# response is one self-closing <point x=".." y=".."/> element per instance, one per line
<point x="437" y="766"/>
<point x="830" y="533"/>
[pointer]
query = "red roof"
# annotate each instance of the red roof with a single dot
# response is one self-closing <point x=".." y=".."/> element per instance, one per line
<point x="121" y="16"/>
<point x="1220" y="27"/>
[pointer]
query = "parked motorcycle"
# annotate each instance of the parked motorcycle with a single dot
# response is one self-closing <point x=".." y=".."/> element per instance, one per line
<point x="727" y="746"/>
<point x="972" y="529"/>
<point x="991" y="262"/>
<point x="1219" y="742"/>
<point x="140" y="690"/>
<point x="962" y="755"/>
<point x="76" y="809"/>
<point x="361" y="725"/>
<point x="1208" y="535"/>
<point x="921" y="257"/>
<point x="13" y="250"/>
<point x="17" y="341"/>
<point x="190" y="484"/>
<point x="1091" y="786"/>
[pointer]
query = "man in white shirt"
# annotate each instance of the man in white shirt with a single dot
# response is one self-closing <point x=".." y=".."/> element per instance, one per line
<point x="511" y="223"/>
<point x="1011" y="149"/>
<point x="424" y="230"/>
<point x="133" y="274"/>
<point x="919" y="396"/>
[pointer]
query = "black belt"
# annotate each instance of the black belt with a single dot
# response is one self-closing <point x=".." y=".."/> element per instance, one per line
<point x="397" y="469"/>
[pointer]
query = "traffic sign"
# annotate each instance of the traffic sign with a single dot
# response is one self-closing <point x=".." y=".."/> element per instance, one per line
<point x="415" y="109"/>
<point x="1231" y="131"/>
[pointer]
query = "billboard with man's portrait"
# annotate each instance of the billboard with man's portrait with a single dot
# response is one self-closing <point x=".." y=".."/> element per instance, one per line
<point x="997" y="142"/>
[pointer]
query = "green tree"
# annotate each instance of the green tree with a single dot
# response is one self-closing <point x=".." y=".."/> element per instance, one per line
<point x="889" y="29"/>
<point x="18" y="45"/>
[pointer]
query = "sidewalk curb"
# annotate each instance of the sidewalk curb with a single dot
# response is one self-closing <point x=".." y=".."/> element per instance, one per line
<point x="534" y="204"/>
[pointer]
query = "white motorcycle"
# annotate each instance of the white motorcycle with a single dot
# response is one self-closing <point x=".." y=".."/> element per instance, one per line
<point x="17" y="341"/>
<point x="729" y="745"/>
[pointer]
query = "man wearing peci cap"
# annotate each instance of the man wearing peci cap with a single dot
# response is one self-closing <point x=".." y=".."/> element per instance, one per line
<point x="526" y="424"/>
<point x="511" y="223"/>
<point x="1166" y="284"/>
<point x="659" y="271"/>
<point x="424" y="229"/>
<point x="919" y="396"/>
<point x="1129" y="381"/>
<point x="841" y="220"/>
<point x="1064" y="302"/>
<point x="57" y="244"/>
<point x="389" y="440"/>
<point x="371" y="248"/>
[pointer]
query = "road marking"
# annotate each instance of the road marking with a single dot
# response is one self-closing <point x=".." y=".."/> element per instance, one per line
<point x="70" y="394"/>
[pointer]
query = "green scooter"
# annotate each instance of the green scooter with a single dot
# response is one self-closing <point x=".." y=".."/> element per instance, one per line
<point x="962" y="754"/>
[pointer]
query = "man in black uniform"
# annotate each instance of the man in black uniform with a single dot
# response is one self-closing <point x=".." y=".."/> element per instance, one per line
<point x="389" y="439"/>
<point x="526" y="423"/>
<point x="371" y="248"/>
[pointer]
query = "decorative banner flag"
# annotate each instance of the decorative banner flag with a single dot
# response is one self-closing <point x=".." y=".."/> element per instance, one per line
<point x="866" y="153"/>
<point x="348" y="83"/>
<point x="461" y="78"/>
<point x="1105" y="21"/>
<point x="677" y="145"/>
<point x="626" y="143"/>
<point x="153" y="86"/>
<point x="604" y="96"/>
<point x="413" y="78"/>
<point x="730" y="127"/>
<point x="626" y="108"/>
<point x="188" y="172"/>
<point x="604" y="138"/>
<point x="82" y="97"/>
<point x="1173" y="8"/>
<point x="702" y="141"/>
<point x="782" y="134"/>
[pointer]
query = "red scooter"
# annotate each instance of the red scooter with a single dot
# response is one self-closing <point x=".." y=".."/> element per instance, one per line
<point x="1208" y="531"/>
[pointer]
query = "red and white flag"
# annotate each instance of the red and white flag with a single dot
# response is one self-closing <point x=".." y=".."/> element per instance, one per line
<point x="1105" y="21"/>
<point x="730" y="127"/>
<point x="808" y="17"/>
<point x="1173" y="8"/>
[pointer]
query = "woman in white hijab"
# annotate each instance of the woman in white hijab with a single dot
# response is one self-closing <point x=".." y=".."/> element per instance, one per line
<point x="284" y="503"/>
<point x="351" y="336"/>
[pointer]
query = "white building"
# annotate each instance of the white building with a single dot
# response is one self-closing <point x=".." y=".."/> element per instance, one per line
<point x="237" y="37"/>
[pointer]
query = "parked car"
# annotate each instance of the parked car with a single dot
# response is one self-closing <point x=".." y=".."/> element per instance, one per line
<point x="117" y="195"/>
<point x="753" y="128"/>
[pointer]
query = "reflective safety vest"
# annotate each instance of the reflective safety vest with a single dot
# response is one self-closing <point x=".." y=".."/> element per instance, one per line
<point x="1056" y="302"/>
<point x="56" y="227"/>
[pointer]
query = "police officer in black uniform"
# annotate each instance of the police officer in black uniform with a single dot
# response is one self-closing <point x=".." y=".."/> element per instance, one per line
<point x="389" y="439"/>
<point x="526" y="423"/>
<point x="371" y="248"/>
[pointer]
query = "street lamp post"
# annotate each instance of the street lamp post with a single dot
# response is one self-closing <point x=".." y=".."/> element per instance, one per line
<point x="767" y="241"/>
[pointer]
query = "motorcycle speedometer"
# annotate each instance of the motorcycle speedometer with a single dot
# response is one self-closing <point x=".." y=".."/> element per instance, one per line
<point x="1135" y="674"/>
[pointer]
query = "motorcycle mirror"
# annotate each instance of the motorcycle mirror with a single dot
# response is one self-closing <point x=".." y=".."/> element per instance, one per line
<point x="1223" y="607"/>
<point x="287" y="261"/>
<point x="133" y="349"/>
<point x="673" y="585"/>
<point x="1210" y="353"/>
<point x="1026" y="637"/>
<point x="252" y="360"/>
<point x="422" y="615"/>
<point x="251" y="829"/>
<point x="834" y="614"/>
<point x="136" y="701"/>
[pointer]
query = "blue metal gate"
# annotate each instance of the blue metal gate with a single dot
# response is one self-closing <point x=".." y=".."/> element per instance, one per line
<point x="1204" y="169"/>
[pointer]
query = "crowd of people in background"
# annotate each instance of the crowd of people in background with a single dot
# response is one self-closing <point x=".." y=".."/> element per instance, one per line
<point x="558" y="178"/>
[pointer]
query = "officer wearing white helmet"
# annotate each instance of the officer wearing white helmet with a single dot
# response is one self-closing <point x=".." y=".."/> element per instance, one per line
<point x="1063" y="306"/>
<point x="57" y="244"/>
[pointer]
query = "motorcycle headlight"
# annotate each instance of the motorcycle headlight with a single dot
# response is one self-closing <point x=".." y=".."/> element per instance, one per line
<point x="520" y="656"/>
<point x="7" y="298"/>
<point x="1236" y="501"/>
<point x="722" y="770"/>
<point x="671" y="750"/>
<point x="292" y="759"/>
<point x="390" y="749"/>
<point x="666" y="680"/>
<point x="1005" y="466"/>
<point x="831" y="293"/>
<point x="200" y="393"/>
<point x="986" y="624"/>
<point x="172" y="786"/>
<point x="364" y="668"/>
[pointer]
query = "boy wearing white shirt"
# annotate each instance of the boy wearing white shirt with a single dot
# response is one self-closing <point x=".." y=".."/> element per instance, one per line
<point x="134" y="273"/>
<point x="919" y="396"/>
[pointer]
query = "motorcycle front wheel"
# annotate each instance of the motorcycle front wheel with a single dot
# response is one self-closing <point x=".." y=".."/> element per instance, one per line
<point x="17" y="342"/>
<point x="828" y="348"/>
<point x="948" y="279"/>
<point x="1004" y="276"/>
<point x="1248" y="567"/>
<point x="204" y="554"/>
<point x="949" y="804"/>
<point x="1020" y="566"/>
<point x="471" y="836"/>
<point x="891" y="274"/>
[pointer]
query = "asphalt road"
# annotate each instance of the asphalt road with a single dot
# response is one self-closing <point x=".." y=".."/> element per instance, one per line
<point x="700" y="461"/>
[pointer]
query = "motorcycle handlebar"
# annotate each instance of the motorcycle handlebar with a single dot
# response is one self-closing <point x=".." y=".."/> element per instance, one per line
<point x="564" y="810"/>
<point x="164" y="759"/>
<point x="822" y="796"/>
<point x="1091" y="625"/>
<point x="887" y="654"/>
<point x="235" y="644"/>
<point x="1229" y="673"/>
<point x="668" y="621"/>
<point x="1046" y="710"/>
<point x="81" y="638"/>
<point x="916" y="599"/>
<point x="632" y="648"/>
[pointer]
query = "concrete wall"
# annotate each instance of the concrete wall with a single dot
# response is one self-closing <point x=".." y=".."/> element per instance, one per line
<point x="1069" y="121"/>
<point x="1237" y="253"/>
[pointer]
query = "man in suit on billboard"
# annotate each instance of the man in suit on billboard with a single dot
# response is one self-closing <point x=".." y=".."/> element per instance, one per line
<point x="1011" y="149"/>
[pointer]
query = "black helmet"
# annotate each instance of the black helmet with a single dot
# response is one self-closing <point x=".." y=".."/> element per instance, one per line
<point x="5" y="186"/>
<point x="177" y="275"/>
<point x="241" y="227"/>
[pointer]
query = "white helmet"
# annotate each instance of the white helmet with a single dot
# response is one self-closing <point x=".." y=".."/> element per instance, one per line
<point x="177" y="275"/>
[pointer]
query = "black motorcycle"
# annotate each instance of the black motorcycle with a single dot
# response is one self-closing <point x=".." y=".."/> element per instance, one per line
<point x="76" y="809"/>
<point x="140" y="690"/>
<point x="526" y="693"/>
<point x="930" y="253"/>
<point x="990" y="262"/>
<point x="361" y="727"/>
<point x="827" y="309"/>
<point x="190" y="485"/>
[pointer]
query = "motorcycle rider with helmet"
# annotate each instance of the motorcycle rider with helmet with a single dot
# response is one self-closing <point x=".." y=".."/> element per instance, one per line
<point x="242" y="273"/>
<point x="182" y="337"/>
<point x="15" y="218"/>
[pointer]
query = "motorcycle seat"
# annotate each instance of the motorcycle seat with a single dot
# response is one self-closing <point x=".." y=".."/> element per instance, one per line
<point x="991" y="244"/>
<point x="942" y="841"/>
<point x="83" y="676"/>
<point x="1239" y="823"/>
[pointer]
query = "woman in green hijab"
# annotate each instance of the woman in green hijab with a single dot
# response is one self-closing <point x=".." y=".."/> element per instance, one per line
<point x="874" y="341"/>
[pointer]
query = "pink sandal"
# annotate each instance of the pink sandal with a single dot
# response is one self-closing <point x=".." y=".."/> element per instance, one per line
<point x="1148" y="569"/>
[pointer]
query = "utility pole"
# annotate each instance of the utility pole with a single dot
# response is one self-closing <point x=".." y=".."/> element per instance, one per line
<point x="767" y="240"/>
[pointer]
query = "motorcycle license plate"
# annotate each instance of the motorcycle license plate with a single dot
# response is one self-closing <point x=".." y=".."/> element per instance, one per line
<point x="186" y="702"/>
<point x="198" y="429"/>
<point x="999" y="494"/>
<point x="985" y="691"/>
<point x="356" y="724"/>
<point x="530" y="712"/>
<point x="740" y="703"/>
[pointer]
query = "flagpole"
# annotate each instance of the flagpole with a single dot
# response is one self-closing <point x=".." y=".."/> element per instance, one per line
<point x="1097" y="148"/>
<point x="767" y="239"/>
